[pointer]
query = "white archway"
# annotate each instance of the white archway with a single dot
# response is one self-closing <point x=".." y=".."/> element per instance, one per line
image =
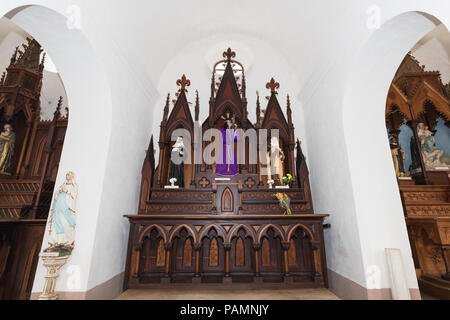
<point x="87" y="139"/>
<point x="378" y="209"/>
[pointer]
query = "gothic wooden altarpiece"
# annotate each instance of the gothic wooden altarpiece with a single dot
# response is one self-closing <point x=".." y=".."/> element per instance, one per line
<point x="228" y="229"/>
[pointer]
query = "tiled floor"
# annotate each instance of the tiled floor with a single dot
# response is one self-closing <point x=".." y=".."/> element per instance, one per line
<point x="205" y="294"/>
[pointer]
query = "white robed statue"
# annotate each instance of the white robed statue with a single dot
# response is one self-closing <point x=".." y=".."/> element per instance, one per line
<point x="62" y="219"/>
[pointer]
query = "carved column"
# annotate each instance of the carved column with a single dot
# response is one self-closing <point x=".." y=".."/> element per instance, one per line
<point x="197" y="248"/>
<point x="257" y="248"/>
<point x="166" y="279"/>
<point x="53" y="264"/>
<point x="227" y="247"/>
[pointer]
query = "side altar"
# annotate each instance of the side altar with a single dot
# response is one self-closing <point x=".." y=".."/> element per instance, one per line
<point x="211" y="215"/>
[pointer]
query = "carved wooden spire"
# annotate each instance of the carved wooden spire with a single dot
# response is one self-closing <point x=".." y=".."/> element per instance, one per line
<point x="258" y="110"/>
<point x="229" y="54"/>
<point x="166" y="108"/>
<point x="2" y="80"/>
<point x="197" y="106"/>
<point x="244" y="85"/>
<point x="273" y="86"/>
<point x="57" y="113"/>
<point x="289" y="111"/>
<point x="183" y="83"/>
<point x="14" y="57"/>
<point x="42" y="65"/>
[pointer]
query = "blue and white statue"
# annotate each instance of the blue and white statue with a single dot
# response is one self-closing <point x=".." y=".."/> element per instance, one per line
<point x="63" y="215"/>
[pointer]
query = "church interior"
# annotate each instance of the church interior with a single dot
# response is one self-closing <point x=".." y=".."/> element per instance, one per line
<point x="295" y="151"/>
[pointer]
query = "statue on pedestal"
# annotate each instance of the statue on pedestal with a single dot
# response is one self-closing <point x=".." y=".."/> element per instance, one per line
<point x="275" y="156"/>
<point x="433" y="157"/>
<point x="62" y="217"/>
<point x="228" y="165"/>
<point x="398" y="157"/>
<point x="7" y="143"/>
<point x="177" y="163"/>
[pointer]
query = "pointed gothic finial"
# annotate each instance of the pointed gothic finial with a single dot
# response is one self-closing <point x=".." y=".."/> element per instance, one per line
<point x="42" y="64"/>
<point x="273" y="86"/>
<point x="244" y="85"/>
<point x="2" y="80"/>
<point x="183" y="83"/>
<point x="229" y="54"/>
<point x="14" y="56"/>
<point x="166" y="108"/>
<point x="258" y="109"/>
<point x="289" y="111"/>
<point x="57" y="113"/>
<point x="67" y="112"/>
<point x="197" y="106"/>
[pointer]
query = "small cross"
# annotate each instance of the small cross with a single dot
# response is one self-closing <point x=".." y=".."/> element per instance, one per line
<point x="250" y="183"/>
<point x="204" y="182"/>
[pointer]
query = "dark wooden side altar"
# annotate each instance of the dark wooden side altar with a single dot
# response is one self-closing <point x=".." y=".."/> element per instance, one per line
<point x="225" y="230"/>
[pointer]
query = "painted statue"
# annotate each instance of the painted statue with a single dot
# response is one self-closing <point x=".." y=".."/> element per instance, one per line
<point x="433" y="157"/>
<point x="62" y="219"/>
<point x="398" y="157"/>
<point x="275" y="156"/>
<point x="177" y="163"/>
<point x="228" y="165"/>
<point x="7" y="143"/>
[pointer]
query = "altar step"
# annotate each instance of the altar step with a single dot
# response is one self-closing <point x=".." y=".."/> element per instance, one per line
<point x="227" y="294"/>
<point x="435" y="286"/>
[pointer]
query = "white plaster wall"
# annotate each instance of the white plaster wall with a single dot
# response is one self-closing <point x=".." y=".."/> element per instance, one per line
<point x="123" y="48"/>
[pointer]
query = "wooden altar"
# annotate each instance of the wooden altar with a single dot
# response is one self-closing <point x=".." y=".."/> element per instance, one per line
<point x="225" y="230"/>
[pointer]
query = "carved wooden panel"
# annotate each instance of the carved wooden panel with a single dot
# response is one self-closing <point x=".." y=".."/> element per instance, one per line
<point x="227" y="201"/>
<point x="240" y="252"/>
<point x="213" y="253"/>
<point x="265" y="253"/>
<point x="187" y="253"/>
<point x="161" y="254"/>
<point x="292" y="253"/>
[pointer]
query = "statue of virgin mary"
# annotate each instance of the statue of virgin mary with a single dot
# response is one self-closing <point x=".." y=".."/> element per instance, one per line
<point x="177" y="163"/>
<point x="62" y="219"/>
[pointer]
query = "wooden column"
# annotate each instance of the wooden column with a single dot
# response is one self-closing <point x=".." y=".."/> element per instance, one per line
<point x="446" y="255"/>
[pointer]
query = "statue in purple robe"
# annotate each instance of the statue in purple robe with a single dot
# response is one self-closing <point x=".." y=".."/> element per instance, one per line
<point x="228" y="165"/>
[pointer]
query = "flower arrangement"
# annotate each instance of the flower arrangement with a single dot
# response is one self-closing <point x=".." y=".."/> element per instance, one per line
<point x="284" y="201"/>
<point x="287" y="179"/>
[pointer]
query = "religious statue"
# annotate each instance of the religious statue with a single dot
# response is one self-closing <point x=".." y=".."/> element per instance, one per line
<point x="177" y="163"/>
<point x="433" y="157"/>
<point x="398" y="157"/>
<point x="62" y="216"/>
<point x="7" y="142"/>
<point x="228" y="165"/>
<point x="275" y="156"/>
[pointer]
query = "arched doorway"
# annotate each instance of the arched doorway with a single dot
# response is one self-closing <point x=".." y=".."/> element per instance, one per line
<point x="90" y="102"/>
<point x="369" y="157"/>
<point x="31" y="144"/>
<point x="417" y="119"/>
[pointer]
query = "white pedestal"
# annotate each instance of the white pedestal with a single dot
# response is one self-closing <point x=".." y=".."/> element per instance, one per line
<point x="171" y="187"/>
<point x="281" y="187"/>
<point x="53" y="263"/>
